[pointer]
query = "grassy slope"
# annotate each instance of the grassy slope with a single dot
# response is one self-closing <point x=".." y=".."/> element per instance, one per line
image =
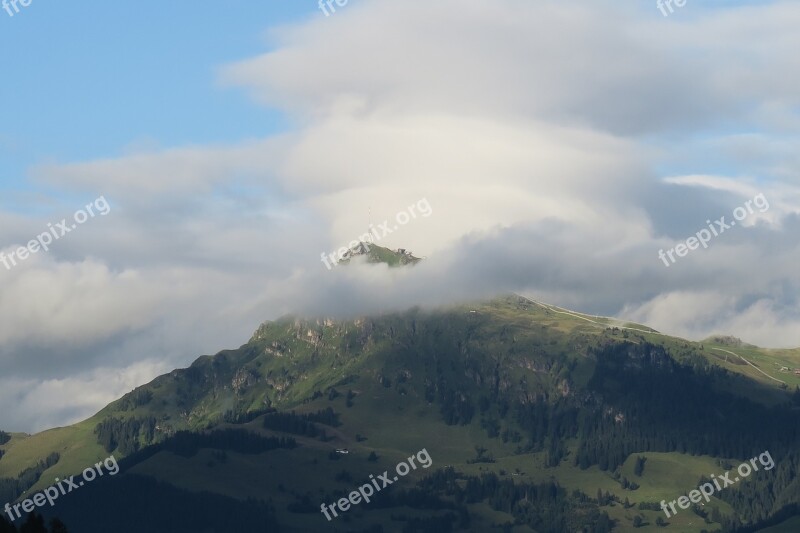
<point x="769" y="361"/>
<point x="310" y="353"/>
<point x="395" y="434"/>
<point x="76" y="445"/>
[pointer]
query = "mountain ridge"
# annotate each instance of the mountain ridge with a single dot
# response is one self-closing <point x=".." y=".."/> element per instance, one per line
<point x="457" y="367"/>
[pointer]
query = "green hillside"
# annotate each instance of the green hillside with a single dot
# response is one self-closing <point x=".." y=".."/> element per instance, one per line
<point x="526" y="392"/>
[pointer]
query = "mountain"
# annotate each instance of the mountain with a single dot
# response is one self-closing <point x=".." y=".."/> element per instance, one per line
<point x="533" y="417"/>
<point x="378" y="254"/>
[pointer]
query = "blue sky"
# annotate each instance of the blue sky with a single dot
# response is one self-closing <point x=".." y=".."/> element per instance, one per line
<point x="560" y="146"/>
<point x="91" y="79"/>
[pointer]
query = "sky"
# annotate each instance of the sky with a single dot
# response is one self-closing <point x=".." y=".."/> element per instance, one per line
<point x="560" y="150"/>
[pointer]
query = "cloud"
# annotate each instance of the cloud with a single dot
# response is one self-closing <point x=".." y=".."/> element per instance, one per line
<point x="42" y="404"/>
<point x="73" y="303"/>
<point x="559" y="145"/>
<point x="698" y="315"/>
<point x="512" y="60"/>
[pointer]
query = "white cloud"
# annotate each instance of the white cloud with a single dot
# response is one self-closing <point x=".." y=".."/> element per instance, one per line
<point x="699" y="315"/>
<point x="537" y="132"/>
<point x="42" y="404"/>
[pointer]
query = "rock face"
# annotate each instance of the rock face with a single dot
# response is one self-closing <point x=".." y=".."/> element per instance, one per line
<point x="727" y="340"/>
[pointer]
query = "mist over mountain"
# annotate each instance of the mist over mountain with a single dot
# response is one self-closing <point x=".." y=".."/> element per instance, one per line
<point x="513" y="401"/>
<point x="497" y="265"/>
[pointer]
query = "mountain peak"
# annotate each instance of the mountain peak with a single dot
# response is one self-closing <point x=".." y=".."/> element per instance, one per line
<point x="379" y="254"/>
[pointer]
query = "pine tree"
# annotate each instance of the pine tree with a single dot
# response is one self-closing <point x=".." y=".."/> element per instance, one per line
<point x="57" y="526"/>
<point x="33" y="524"/>
<point x="6" y="526"/>
<point x="638" y="468"/>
